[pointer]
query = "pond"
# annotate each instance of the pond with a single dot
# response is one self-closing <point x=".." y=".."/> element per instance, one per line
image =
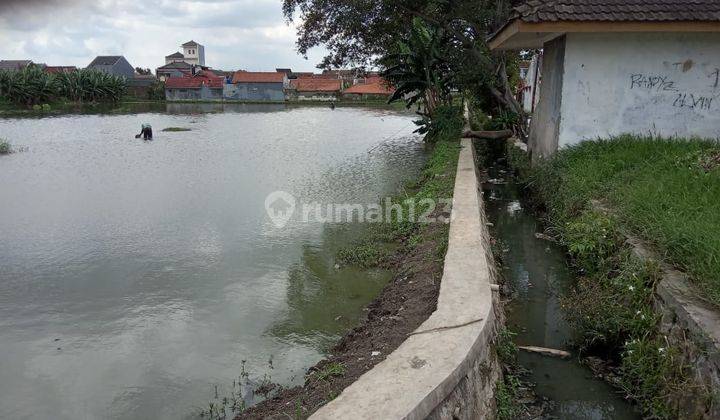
<point x="135" y="277"/>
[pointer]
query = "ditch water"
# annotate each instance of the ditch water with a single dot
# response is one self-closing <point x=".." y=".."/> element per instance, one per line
<point x="537" y="273"/>
<point x="137" y="276"/>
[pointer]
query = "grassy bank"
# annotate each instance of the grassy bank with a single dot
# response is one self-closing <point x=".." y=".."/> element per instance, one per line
<point x="663" y="191"/>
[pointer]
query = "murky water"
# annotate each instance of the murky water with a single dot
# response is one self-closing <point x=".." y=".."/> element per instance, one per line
<point x="134" y="276"/>
<point x="538" y="274"/>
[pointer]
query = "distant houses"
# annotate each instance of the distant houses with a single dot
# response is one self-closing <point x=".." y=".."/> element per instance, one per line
<point x="370" y="89"/>
<point x="202" y="86"/>
<point x="257" y="86"/>
<point x="60" y="69"/>
<point x="174" y="69"/>
<point x="14" y="65"/>
<point x="116" y="65"/>
<point x="315" y="89"/>
<point x="278" y="86"/>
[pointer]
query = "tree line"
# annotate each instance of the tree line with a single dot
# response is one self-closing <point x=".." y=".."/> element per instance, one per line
<point x="34" y="86"/>
<point x="432" y="51"/>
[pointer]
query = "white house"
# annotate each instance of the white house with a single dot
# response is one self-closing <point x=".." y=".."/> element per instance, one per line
<point x="193" y="53"/>
<point x="608" y="68"/>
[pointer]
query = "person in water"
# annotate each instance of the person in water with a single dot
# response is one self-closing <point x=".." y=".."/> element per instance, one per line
<point x="146" y="132"/>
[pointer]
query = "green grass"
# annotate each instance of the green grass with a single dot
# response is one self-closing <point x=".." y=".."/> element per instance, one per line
<point x="173" y="129"/>
<point x="330" y="370"/>
<point x="665" y="191"/>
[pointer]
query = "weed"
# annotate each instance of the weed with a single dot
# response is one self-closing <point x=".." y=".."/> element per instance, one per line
<point x="5" y="147"/>
<point x="663" y="190"/>
<point x="505" y="347"/>
<point x="652" y="372"/>
<point x="330" y="370"/>
<point x="506" y="397"/>
<point x="364" y="255"/>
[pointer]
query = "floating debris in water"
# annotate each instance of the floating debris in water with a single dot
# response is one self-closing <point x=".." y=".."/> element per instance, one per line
<point x="514" y="207"/>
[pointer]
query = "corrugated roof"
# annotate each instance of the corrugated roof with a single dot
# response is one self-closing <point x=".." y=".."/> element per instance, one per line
<point x="258" y="77"/>
<point x="618" y="10"/>
<point x="374" y="86"/>
<point x="105" y="60"/>
<point x="317" y="85"/>
<point x="14" y="64"/>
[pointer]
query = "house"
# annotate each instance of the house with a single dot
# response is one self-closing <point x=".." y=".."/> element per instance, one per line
<point x="113" y="64"/>
<point x="613" y="67"/>
<point x="139" y="86"/>
<point x="257" y="86"/>
<point x="174" y="69"/>
<point x="14" y="65"/>
<point x="60" y="69"/>
<point x="194" y="53"/>
<point x="174" y="57"/>
<point x="529" y="83"/>
<point x="315" y="89"/>
<point x="203" y="85"/>
<point x="372" y="88"/>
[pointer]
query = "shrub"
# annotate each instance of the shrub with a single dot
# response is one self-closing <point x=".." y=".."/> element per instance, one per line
<point x="5" y="147"/>
<point x="445" y="124"/>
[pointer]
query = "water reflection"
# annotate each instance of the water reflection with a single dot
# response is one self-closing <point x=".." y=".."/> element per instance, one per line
<point x="135" y="276"/>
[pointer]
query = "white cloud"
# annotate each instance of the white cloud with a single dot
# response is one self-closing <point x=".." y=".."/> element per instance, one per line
<point x="237" y="34"/>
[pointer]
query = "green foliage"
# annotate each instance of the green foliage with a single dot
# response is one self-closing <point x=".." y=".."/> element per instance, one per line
<point x="506" y="397"/>
<point x="156" y="92"/>
<point x="591" y="239"/>
<point x="659" y="189"/>
<point x="664" y="191"/>
<point x="652" y="372"/>
<point x="503" y="120"/>
<point x="365" y="255"/>
<point x="613" y="306"/>
<point x="5" y="147"/>
<point x="506" y="348"/>
<point x="436" y="183"/>
<point x="445" y="124"/>
<point x="33" y="86"/>
<point x="419" y="69"/>
<point x="330" y="370"/>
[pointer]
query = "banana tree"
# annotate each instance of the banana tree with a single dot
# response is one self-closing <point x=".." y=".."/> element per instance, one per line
<point x="419" y="69"/>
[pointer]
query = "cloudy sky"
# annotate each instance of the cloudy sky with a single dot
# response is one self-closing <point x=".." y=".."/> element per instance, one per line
<point x="237" y="34"/>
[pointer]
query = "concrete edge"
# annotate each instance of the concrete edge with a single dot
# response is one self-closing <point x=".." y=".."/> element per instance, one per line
<point x="415" y="379"/>
<point x="676" y="291"/>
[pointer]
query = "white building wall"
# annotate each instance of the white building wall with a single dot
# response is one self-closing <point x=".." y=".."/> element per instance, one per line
<point x="642" y="83"/>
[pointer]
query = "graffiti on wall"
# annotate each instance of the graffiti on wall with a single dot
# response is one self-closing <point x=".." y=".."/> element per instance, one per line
<point x="669" y="90"/>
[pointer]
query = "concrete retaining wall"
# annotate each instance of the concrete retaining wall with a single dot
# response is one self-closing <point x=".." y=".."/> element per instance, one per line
<point x="448" y="367"/>
<point x="693" y="326"/>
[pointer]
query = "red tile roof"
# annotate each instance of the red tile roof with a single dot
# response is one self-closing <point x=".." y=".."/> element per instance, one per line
<point x="258" y="77"/>
<point x="60" y="69"/>
<point x="194" y="82"/>
<point x="317" y="85"/>
<point x="374" y="86"/>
